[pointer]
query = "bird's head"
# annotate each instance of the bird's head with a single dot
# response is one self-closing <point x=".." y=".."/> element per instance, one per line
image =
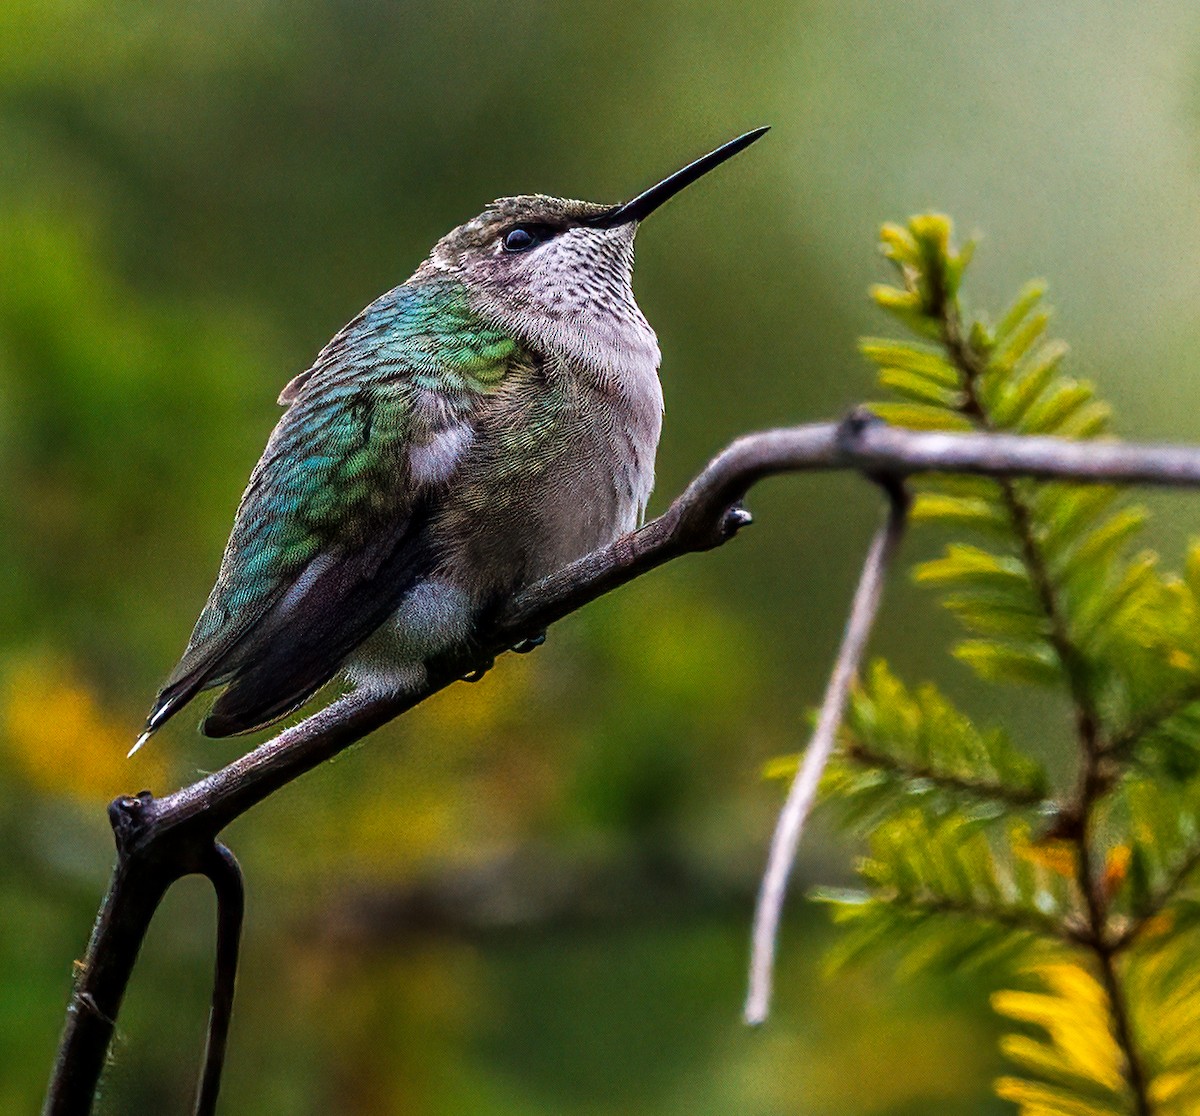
<point x="558" y="273"/>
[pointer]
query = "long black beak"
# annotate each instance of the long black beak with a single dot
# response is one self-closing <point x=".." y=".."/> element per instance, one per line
<point x="647" y="202"/>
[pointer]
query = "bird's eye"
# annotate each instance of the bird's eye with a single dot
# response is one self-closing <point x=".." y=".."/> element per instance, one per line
<point x="520" y="239"/>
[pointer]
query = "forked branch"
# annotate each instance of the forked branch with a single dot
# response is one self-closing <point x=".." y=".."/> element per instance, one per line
<point x="161" y="839"/>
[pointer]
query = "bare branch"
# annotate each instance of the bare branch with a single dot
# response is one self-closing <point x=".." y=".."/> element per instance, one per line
<point x="134" y="893"/>
<point x="160" y="840"/>
<point x="803" y="791"/>
<point x="705" y="516"/>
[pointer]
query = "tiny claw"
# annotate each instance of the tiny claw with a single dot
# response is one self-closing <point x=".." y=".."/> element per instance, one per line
<point x="530" y="644"/>
<point x="477" y="674"/>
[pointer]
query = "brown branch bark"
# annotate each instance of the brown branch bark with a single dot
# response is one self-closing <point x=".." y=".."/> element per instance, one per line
<point x="161" y="839"/>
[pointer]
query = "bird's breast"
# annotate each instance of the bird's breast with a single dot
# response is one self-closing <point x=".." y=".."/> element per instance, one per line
<point x="559" y="466"/>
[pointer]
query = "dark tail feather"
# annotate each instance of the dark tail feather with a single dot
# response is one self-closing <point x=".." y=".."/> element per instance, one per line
<point x="291" y="656"/>
<point x="244" y="707"/>
<point x="294" y="652"/>
<point x="171" y="699"/>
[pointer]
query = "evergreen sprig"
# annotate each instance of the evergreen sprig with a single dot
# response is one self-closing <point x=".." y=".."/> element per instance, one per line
<point x="906" y="747"/>
<point x="1083" y="897"/>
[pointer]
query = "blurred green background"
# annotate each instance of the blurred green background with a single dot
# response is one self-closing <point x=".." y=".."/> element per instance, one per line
<point x="533" y="895"/>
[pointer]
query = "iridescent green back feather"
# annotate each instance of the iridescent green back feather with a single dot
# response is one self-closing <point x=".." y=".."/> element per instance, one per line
<point x="334" y="493"/>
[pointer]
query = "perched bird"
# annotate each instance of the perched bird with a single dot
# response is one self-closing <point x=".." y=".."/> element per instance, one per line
<point x="476" y="428"/>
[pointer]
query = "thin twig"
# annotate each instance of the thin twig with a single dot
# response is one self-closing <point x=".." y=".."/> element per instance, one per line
<point x="225" y="874"/>
<point x="1095" y="783"/>
<point x="803" y="791"/>
<point x="1135" y="1071"/>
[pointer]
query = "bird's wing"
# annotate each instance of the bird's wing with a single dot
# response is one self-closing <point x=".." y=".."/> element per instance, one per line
<point x="328" y="534"/>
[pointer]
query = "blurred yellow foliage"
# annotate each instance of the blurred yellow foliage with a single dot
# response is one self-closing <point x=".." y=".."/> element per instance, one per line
<point x="60" y="738"/>
<point x="781" y="767"/>
<point x="1078" y="1054"/>
<point x="1116" y="868"/>
<point x="1074" y="1013"/>
<point x="1181" y="660"/>
<point x="450" y="780"/>
<point x="1057" y="856"/>
<point x="1077" y="1069"/>
<point x="480" y="708"/>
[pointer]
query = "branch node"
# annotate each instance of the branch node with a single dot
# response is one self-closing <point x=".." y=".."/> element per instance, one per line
<point x="87" y="1002"/>
<point x="1065" y="825"/>
<point x="130" y="816"/>
<point x="851" y="429"/>
<point x="897" y="493"/>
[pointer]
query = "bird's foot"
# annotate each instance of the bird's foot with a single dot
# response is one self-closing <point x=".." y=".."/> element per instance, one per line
<point x="530" y="644"/>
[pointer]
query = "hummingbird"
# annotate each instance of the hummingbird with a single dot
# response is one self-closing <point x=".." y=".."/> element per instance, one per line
<point x="480" y="426"/>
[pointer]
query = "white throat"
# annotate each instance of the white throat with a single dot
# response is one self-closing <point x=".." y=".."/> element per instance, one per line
<point x="573" y="299"/>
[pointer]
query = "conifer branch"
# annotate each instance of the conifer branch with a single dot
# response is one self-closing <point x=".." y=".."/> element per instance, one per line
<point x="1009" y="918"/>
<point x="1096" y="776"/>
<point x="972" y="367"/>
<point x="1158" y="902"/>
<point x="1135" y="1071"/>
<point x="985" y="790"/>
<point x="1122" y="744"/>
